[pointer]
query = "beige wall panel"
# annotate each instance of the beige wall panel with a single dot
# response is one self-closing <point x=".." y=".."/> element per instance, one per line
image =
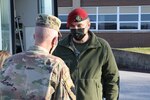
<point x="91" y="10"/>
<point x="145" y="9"/>
<point x="65" y="3"/>
<point x="64" y="10"/>
<point x="107" y="9"/>
<point x="129" y="9"/>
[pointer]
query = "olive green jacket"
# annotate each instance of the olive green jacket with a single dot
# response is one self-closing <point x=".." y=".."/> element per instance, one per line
<point x="94" y="71"/>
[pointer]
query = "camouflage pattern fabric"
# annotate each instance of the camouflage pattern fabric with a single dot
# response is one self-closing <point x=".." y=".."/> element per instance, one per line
<point x="36" y="75"/>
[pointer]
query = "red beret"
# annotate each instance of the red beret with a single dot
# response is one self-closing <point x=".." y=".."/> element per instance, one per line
<point x="77" y="15"/>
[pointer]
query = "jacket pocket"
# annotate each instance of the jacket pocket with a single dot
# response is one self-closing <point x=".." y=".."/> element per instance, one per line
<point x="99" y="90"/>
<point x="89" y="89"/>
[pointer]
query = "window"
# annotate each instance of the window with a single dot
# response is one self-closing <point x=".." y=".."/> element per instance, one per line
<point x="128" y="25"/>
<point x="63" y="18"/>
<point x="128" y="21"/>
<point x="93" y="26"/>
<point x="107" y="17"/>
<point x="145" y="25"/>
<point x="145" y="21"/>
<point x="63" y="26"/>
<point x="145" y="17"/>
<point x="129" y="17"/>
<point x="107" y="22"/>
<point x="115" y="18"/>
<point x="107" y="26"/>
<point x="93" y="20"/>
<point x="92" y="17"/>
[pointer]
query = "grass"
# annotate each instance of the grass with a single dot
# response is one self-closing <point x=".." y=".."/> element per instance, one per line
<point x="145" y="50"/>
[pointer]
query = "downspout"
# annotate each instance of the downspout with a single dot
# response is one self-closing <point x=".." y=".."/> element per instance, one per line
<point x="55" y="8"/>
<point x="12" y="26"/>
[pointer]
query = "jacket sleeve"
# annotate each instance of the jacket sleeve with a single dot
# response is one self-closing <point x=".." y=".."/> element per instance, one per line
<point x="65" y="89"/>
<point x="110" y="76"/>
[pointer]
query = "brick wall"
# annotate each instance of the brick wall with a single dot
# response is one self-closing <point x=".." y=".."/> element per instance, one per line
<point x="124" y="39"/>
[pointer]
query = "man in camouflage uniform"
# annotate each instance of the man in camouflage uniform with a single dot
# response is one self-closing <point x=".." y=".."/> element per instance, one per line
<point x="36" y="74"/>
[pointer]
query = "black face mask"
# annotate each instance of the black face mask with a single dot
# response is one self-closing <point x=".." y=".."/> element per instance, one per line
<point x="78" y="34"/>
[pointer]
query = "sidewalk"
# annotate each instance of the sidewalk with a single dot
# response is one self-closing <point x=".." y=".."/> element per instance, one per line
<point x="134" y="85"/>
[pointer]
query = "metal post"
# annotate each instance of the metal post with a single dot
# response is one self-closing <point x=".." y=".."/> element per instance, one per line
<point x="55" y="8"/>
<point x="13" y="26"/>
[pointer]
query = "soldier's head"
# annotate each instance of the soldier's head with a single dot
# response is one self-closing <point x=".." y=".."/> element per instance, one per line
<point x="79" y="23"/>
<point x="47" y="31"/>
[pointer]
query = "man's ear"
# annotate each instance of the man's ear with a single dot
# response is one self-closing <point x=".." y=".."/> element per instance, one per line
<point x="89" y="24"/>
<point x="54" y="41"/>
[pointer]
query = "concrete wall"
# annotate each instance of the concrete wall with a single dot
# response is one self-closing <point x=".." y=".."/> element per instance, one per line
<point x="132" y="61"/>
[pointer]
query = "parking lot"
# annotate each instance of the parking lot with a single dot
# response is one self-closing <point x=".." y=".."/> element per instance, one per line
<point x="134" y="85"/>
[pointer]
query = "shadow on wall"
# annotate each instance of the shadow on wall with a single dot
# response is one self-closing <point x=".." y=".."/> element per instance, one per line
<point x="132" y="61"/>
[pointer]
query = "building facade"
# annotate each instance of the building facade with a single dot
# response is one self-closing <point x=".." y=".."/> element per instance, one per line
<point x="123" y="23"/>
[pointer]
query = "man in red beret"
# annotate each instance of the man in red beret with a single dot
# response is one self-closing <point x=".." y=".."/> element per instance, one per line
<point x="90" y="59"/>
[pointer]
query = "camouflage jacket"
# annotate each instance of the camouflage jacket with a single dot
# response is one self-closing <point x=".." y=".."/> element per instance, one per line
<point x="36" y="75"/>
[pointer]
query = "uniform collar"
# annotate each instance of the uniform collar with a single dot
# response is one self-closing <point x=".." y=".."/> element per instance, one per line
<point x="38" y="49"/>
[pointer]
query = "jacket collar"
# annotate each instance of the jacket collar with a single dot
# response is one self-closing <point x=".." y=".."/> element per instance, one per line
<point x="94" y="42"/>
<point x="38" y="49"/>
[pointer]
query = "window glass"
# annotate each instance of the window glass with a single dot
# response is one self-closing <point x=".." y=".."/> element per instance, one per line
<point x="145" y="17"/>
<point x="93" y="26"/>
<point x="128" y="25"/>
<point x="63" y="18"/>
<point x="92" y="17"/>
<point x="107" y="17"/>
<point x="64" y="26"/>
<point x="107" y="9"/>
<point x="129" y="17"/>
<point x="128" y="9"/>
<point x="107" y="26"/>
<point x="145" y="25"/>
<point x="145" y="9"/>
